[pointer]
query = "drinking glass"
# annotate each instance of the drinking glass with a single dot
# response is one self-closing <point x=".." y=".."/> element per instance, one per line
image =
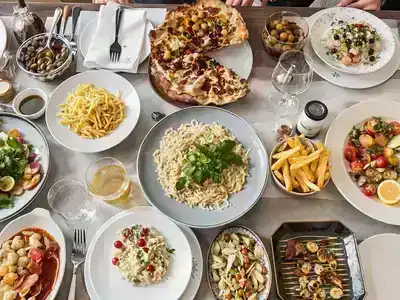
<point x="292" y="76"/>
<point x="69" y="198"/>
<point x="107" y="178"/>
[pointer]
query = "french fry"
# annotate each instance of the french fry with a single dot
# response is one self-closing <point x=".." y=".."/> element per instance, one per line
<point x="314" y="166"/>
<point x="310" y="158"/>
<point x="321" y="171"/>
<point x="286" y="154"/>
<point x="320" y="145"/>
<point x="295" y="183"/>
<point x="303" y="177"/>
<point x="286" y="176"/>
<point x="279" y="176"/>
<point x="297" y="141"/>
<point x="282" y="147"/>
<point x="307" y="171"/>
<point x="327" y="176"/>
<point x="304" y="152"/>
<point x="290" y="141"/>
<point x="303" y="186"/>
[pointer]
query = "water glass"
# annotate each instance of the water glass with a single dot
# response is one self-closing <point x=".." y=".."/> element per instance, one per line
<point x="108" y="179"/>
<point x="292" y="76"/>
<point x="69" y="198"/>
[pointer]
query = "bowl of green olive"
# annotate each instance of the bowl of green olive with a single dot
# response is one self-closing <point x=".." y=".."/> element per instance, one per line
<point x="284" y="31"/>
<point x="44" y="65"/>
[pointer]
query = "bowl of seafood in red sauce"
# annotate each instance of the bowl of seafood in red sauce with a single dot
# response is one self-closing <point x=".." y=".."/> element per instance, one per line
<point x="32" y="257"/>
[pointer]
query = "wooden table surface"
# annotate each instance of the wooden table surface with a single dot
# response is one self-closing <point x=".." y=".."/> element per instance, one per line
<point x="255" y="18"/>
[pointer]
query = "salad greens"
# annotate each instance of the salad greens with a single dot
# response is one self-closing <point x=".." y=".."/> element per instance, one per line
<point x="12" y="159"/>
<point x="207" y="162"/>
<point x="6" y="201"/>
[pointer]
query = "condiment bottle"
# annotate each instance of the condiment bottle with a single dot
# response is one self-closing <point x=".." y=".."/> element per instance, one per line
<point x="312" y="118"/>
<point x="26" y="23"/>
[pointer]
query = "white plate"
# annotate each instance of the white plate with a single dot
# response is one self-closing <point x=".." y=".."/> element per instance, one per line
<point x="33" y="135"/>
<point x="239" y="58"/>
<point x="336" y="140"/>
<point x="40" y="218"/>
<point x="104" y="279"/>
<point x="346" y="80"/>
<point x="197" y="264"/>
<point x="3" y="38"/>
<point x="100" y="78"/>
<point x="381" y="264"/>
<point x="324" y="23"/>
<point x="89" y="31"/>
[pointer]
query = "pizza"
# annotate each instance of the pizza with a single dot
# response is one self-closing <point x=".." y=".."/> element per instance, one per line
<point x="178" y="64"/>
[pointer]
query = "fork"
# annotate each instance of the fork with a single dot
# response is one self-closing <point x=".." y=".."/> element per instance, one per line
<point x="77" y="257"/>
<point x="115" y="48"/>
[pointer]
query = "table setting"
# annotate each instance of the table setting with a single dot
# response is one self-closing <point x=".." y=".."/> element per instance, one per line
<point x="198" y="152"/>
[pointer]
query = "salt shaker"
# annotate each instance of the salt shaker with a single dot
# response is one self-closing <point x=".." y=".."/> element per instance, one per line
<point x="312" y="118"/>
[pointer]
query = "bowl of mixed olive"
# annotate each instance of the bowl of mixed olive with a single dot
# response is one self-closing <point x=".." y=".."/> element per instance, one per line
<point x="44" y="65"/>
<point x="284" y="31"/>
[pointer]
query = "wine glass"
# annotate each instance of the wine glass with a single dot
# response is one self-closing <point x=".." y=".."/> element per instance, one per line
<point x="292" y="76"/>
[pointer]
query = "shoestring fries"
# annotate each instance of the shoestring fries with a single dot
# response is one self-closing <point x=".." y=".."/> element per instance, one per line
<point x="92" y="112"/>
<point x="300" y="167"/>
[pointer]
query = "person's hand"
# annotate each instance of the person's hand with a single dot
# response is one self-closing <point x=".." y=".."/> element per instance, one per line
<point x="362" y="4"/>
<point x="115" y="1"/>
<point x="240" y="2"/>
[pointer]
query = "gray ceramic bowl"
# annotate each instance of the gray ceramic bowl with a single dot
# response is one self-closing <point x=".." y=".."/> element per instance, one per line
<point x="306" y="142"/>
<point x="181" y="213"/>
<point x="265" y="260"/>
<point x="47" y="76"/>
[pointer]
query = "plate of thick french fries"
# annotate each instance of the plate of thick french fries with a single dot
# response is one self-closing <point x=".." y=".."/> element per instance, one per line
<point x="92" y="111"/>
<point x="300" y="166"/>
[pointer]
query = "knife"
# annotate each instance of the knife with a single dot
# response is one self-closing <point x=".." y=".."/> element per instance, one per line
<point x="66" y="13"/>
<point x="76" y="11"/>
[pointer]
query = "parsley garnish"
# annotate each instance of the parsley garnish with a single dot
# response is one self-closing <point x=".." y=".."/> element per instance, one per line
<point x="207" y="162"/>
<point x="12" y="159"/>
<point x="171" y="250"/>
<point x="6" y="201"/>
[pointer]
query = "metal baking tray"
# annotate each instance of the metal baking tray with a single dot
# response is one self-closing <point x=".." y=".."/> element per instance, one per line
<point x="342" y="242"/>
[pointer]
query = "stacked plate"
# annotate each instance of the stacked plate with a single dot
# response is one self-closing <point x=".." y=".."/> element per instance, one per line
<point x="182" y="280"/>
<point x="362" y="75"/>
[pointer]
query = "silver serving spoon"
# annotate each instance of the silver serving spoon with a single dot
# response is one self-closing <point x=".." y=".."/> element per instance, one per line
<point x="47" y="48"/>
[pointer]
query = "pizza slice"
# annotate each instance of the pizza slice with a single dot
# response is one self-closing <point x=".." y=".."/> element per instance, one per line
<point x="206" y="25"/>
<point x="198" y="79"/>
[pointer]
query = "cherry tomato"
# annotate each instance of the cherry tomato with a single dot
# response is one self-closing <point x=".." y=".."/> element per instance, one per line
<point x="373" y="156"/>
<point x="356" y="167"/>
<point x="381" y="162"/>
<point x="244" y="251"/>
<point x="141" y="242"/>
<point x="115" y="261"/>
<point x="145" y="249"/>
<point x="118" y="244"/>
<point x="145" y="232"/>
<point x="36" y="254"/>
<point x="360" y="26"/>
<point x="369" y="189"/>
<point x="150" y="268"/>
<point x="350" y="153"/>
<point x="396" y="127"/>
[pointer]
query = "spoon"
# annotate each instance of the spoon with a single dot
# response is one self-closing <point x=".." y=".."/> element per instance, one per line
<point x="47" y="48"/>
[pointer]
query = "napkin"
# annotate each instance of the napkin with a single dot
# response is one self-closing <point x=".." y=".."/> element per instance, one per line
<point x="131" y="38"/>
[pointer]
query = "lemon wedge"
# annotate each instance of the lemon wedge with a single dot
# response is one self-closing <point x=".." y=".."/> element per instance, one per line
<point x="389" y="191"/>
<point x="7" y="183"/>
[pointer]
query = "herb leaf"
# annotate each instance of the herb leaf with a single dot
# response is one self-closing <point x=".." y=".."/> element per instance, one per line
<point x="207" y="162"/>
<point x="6" y="201"/>
<point x="171" y="250"/>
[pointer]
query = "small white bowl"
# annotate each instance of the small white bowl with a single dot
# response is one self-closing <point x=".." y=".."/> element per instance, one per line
<point x="306" y="142"/>
<point x="26" y="93"/>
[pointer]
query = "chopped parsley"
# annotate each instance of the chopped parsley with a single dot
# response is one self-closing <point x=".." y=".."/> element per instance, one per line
<point x="171" y="250"/>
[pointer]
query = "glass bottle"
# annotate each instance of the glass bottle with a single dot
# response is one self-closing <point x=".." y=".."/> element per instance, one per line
<point x="26" y="23"/>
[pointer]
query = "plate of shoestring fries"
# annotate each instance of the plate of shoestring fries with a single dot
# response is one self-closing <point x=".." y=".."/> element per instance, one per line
<point x="300" y="166"/>
<point x="92" y="111"/>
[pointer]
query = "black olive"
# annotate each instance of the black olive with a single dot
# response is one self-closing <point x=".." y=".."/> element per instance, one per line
<point x="358" y="43"/>
<point x="371" y="52"/>
<point x="371" y="41"/>
<point x="336" y="37"/>
<point x="348" y="41"/>
<point x="372" y="58"/>
<point x="157" y="116"/>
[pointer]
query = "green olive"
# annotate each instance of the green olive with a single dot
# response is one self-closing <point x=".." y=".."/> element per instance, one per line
<point x="283" y="36"/>
<point x="43" y="66"/>
<point x="41" y="54"/>
<point x="274" y="32"/>
<point x="273" y="40"/>
<point x="276" y="22"/>
<point x="31" y="49"/>
<point x="286" y="48"/>
<point x="272" y="25"/>
<point x="278" y="47"/>
<point x="49" y="54"/>
<point x="33" y="66"/>
<point x="291" y="38"/>
<point x="279" y="27"/>
<point x="40" y="61"/>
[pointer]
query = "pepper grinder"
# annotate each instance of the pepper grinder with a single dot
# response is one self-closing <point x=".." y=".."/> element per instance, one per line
<point x="26" y="23"/>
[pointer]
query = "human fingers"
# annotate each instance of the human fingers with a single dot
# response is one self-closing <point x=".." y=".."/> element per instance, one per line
<point x="344" y="3"/>
<point x="366" y="5"/>
<point x="229" y="2"/>
<point x="237" y="2"/>
<point x="247" y="2"/>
